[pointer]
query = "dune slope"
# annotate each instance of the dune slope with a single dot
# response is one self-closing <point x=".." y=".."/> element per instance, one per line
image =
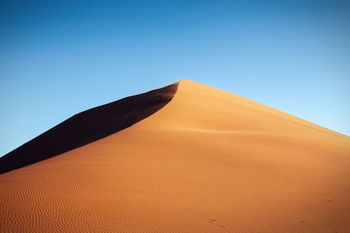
<point x="88" y="126"/>
<point x="208" y="161"/>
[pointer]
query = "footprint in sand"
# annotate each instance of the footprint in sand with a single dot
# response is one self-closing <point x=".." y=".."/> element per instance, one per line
<point x="211" y="220"/>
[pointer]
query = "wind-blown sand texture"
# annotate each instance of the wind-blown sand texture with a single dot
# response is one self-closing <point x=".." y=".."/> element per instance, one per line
<point x="207" y="161"/>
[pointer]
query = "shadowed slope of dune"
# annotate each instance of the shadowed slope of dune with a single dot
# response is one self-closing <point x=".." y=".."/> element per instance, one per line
<point x="209" y="161"/>
<point x="88" y="126"/>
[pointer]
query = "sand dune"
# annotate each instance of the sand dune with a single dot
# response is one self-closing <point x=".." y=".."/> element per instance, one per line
<point x="207" y="161"/>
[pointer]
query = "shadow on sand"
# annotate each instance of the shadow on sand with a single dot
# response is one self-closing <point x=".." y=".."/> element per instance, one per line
<point x="87" y="127"/>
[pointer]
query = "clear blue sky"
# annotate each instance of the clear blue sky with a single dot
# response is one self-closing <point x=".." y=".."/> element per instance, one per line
<point x="61" y="57"/>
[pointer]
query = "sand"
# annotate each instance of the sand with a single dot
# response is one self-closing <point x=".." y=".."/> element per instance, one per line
<point x="207" y="161"/>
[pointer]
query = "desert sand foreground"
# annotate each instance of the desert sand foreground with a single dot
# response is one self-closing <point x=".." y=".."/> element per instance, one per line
<point x="207" y="161"/>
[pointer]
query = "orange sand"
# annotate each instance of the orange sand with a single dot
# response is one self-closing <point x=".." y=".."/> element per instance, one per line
<point x="209" y="161"/>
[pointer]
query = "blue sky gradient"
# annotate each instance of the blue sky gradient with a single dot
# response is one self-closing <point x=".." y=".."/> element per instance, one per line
<point x="58" y="58"/>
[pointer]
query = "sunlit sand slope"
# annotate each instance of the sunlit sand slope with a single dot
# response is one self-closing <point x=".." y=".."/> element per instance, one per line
<point x="208" y="161"/>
